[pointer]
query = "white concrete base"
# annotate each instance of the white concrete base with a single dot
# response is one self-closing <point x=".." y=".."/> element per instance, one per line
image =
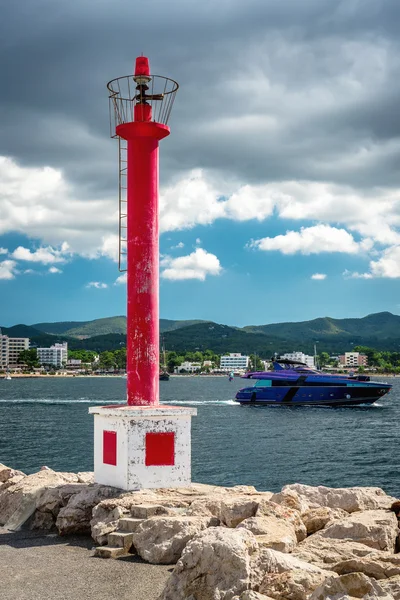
<point x="138" y="447"/>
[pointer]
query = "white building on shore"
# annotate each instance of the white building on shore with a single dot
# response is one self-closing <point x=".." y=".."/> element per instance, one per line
<point x="188" y="367"/>
<point x="300" y="357"/>
<point x="234" y="362"/>
<point x="10" y="349"/>
<point x="56" y="355"/>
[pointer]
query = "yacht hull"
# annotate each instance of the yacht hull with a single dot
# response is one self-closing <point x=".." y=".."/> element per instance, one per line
<point x="314" y="396"/>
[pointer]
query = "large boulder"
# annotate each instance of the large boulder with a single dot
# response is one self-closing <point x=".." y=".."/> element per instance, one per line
<point x="272" y="561"/>
<point x="292" y="585"/>
<point x="7" y="473"/>
<point x="291" y="499"/>
<point x="349" y="587"/>
<point x="18" y="501"/>
<point x="349" y="499"/>
<point x="272" y="532"/>
<point x="215" y="565"/>
<point x="315" y="519"/>
<point x="236" y="510"/>
<point x="374" y="528"/>
<point x="267" y="508"/>
<point x="161" y="540"/>
<point x="326" y="552"/>
<point x="377" y="565"/>
<point x="76" y="516"/>
<point x="104" y="522"/>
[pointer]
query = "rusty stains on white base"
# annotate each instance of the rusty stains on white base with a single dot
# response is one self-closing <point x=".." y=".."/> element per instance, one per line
<point x="134" y="446"/>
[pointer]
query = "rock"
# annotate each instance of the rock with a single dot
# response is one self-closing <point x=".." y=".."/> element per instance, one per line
<point x="291" y="499"/>
<point x="105" y="522"/>
<point x="236" y="510"/>
<point x="374" y="528"/>
<point x="145" y="511"/>
<point x="206" y="506"/>
<point x="7" y="473"/>
<point x="349" y="499"/>
<point x="316" y="518"/>
<point x="86" y="477"/>
<point x="251" y="595"/>
<point x="76" y="516"/>
<point x="378" y="566"/>
<point x="391" y="586"/>
<point x="272" y="532"/>
<point x="215" y="565"/>
<point x="271" y="561"/>
<point x="161" y="540"/>
<point x="267" y="508"/>
<point x="348" y="587"/>
<point x="292" y="585"/>
<point x="18" y="501"/>
<point x="326" y="552"/>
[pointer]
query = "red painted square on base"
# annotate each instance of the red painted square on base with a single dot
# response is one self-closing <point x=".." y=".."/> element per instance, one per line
<point x="110" y="448"/>
<point x="160" y="449"/>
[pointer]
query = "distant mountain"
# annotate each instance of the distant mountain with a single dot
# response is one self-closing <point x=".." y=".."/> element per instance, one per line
<point x="59" y="328"/>
<point x="106" y="326"/>
<point x="382" y="325"/>
<point x="380" y="331"/>
<point x="20" y="331"/>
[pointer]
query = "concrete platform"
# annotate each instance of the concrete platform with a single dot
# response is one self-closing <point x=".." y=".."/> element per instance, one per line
<point x="34" y="566"/>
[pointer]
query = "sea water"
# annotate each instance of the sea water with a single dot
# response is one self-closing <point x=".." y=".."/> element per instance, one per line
<point x="46" y="422"/>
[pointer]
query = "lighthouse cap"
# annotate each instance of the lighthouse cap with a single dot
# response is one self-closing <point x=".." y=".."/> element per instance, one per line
<point x="142" y="66"/>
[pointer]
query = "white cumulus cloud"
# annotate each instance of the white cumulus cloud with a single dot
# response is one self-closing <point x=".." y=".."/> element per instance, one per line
<point x="45" y="256"/>
<point x="121" y="279"/>
<point x="7" y="269"/>
<point x="196" y="265"/>
<point x="310" y="240"/>
<point x="54" y="270"/>
<point x="3" y="251"/>
<point x="318" y="276"/>
<point x="99" y="285"/>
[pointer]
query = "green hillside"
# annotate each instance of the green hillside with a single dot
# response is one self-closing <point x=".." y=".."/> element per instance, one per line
<point x="106" y="326"/>
<point x="380" y="325"/>
<point x="20" y="331"/>
<point x="60" y="327"/>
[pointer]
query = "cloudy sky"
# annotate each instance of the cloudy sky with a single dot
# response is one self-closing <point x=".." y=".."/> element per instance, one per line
<point x="280" y="182"/>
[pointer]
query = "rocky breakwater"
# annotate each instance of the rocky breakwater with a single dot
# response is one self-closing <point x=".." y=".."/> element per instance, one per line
<point x="303" y="543"/>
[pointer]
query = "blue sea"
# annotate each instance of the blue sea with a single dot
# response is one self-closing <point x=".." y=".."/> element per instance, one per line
<point x="46" y="422"/>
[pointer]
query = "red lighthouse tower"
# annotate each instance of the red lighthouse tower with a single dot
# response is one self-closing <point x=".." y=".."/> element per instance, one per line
<point x="141" y="444"/>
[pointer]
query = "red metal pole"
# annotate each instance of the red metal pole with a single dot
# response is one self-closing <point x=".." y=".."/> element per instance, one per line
<point x="142" y="348"/>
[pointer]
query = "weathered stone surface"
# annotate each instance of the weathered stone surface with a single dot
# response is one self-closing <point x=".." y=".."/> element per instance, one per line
<point x="292" y="585"/>
<point x="378" y="566"/>
<point x="251" y="595"/>
<point x="272" y="532"/>
<point x="215" y="565"/>
<point x="236" y="510"/>
<point x="207" y="507"/>
<point x="76" y="516"/>
<point x="291" y="499"/>
<point x="272" y="561"/>
<point x="7" y="473"/>
<point x="315" y="519"/>
<point x="349" y="587"/>
<point x="391" y="586"/>
<point x="161" y="540"/>
<point x="349" y="499"/>
<point x="267" y="508"/>
<point x="145" y="511"/>
<point x="85" y="477"/>
<point x="18" y="501"/>
<point x="326" y="552"/>
<point x="374" y="528"/>
<point x="104" y="522"/>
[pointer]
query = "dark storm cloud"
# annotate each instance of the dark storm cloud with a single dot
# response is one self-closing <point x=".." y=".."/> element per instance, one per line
<point x="269" y="90"/>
